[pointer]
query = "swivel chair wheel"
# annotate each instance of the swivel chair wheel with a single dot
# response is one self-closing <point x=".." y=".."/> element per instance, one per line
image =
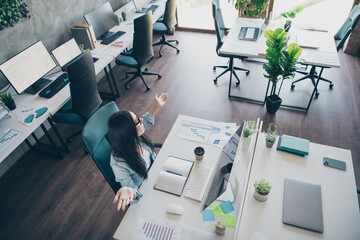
<point x="177" y="42"/>
<point x="69" y="140"/>
<point x="126" y="75"/>
<point x="215" y="81"/>
<point x="147" y="88"/>
<point x="247" y="73"/>
<point x="126" y="87"/>
<point x="86" y="151"/>
<point x="292" y="86"/>
<point x="214" y="69"/>
<point x="178" y="50"/>
<point x="237" y="84"/>
<point x="160" y="54"/>
<point x="331" y="86"/>
<point x="317" y="94"/>
<point x="146" y="69"/>
<point x="159" y="76"/>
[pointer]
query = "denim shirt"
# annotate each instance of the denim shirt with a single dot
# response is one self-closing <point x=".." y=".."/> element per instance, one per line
<point x="124" y="174"/>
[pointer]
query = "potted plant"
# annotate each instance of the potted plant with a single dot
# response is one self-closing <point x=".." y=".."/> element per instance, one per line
<point x="248" y="130"/>
<point x="280" y="65"/>
<point x="291" y="15"/>
<point x="8" y="101"/>
<point x="262" y="190"/>
<point x="250" y="8"/>
<point x="271" y="135"/>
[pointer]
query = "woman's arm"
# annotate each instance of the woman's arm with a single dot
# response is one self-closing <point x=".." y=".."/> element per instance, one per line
<point x="124" y="196"/>
<point x="159" y="102"/>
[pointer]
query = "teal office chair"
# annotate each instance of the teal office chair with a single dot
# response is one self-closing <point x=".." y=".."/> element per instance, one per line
<point x="220" y="32"/>
<point x="94" y="136"/>
<point x="340" y="37"/>
<point x="166" y="25"/>
<point x="96" y="143"/>
<point x="142" y="51"/>
<point x="85" y="98"/>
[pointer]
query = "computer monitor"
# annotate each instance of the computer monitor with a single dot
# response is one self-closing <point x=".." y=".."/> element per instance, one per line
<point x="25" y="70"/>
<point x="102" y="20"/>
<point x="221" y="176"/>
<point x="65" y="53"/>
<point x="140" y="3"/>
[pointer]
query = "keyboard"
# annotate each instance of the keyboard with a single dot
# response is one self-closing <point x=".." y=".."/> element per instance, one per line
<point x="152" y="8"/>
<point x="197" y="183"/>
<point x="55" y="86"/>
<point x="113" y="37"/>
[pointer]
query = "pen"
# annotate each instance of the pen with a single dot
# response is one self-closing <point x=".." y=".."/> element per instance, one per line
<point x="173" y="173"/>
<point x="119" y="42"/>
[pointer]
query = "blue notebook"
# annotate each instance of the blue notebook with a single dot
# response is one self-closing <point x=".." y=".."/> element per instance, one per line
<point x="294" y="145"/>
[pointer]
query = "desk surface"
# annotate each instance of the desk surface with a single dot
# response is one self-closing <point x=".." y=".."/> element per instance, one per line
<point x="341" y="215"/>
<point x="325" y="56"/>
<point x="154" y="202"/>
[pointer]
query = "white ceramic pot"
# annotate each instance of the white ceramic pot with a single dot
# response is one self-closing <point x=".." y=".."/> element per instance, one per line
<point x="259" y="197"/>
<point x="246" y="143"/>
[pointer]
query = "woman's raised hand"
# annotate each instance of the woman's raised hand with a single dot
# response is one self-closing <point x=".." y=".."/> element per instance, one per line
<point x="123" y="197"/>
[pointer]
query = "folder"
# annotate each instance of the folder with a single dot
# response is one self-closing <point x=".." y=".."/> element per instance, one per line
<point x="91" y="32"/>
<point x="294" y="145"/>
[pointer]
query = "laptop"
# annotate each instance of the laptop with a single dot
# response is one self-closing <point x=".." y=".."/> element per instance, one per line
<point x="302" y="206"/>
<point x="251" y="33"/>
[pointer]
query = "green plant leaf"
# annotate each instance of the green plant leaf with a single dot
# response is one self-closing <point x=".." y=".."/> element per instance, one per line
<point x="268" y="34"/>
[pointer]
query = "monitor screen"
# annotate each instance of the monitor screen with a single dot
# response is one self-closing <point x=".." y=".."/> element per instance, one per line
<point x="66" y="52"/>
<point x="223" y="169"/>
<point x="140" y="3"/>
<point x="28" y="66"/>
<point x="102" y="19"/>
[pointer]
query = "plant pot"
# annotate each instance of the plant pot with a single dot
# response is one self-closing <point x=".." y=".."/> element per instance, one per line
<point x="273" y="103"/>
<point x="269" y="144"/>
<point x="259" y="197"/>
<point x="11" y="105"/>
<point x="246" y="143"/>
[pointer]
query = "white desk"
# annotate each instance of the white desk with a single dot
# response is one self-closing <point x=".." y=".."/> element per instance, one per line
<point x="324" y="57"/>
<point x="341" y="215"/>
<point x="154" y="202"/>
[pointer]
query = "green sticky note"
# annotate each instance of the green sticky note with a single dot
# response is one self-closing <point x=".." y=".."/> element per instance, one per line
<point x="218" y="211"/>
<point x="230" y="221"/>
<point x="212" y="204"/>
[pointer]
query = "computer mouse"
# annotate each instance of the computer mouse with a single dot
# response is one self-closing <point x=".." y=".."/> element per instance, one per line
<point x="174" y="209"/>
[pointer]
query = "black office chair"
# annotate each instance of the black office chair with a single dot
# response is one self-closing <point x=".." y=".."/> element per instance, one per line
<point x="220" y="32"/>
<point x="340" y="37"/>
<point x="85" y="98"/>
<point x="166" y="25"/>
<point x="142" y="51"/>
<point x="94" y="136"/>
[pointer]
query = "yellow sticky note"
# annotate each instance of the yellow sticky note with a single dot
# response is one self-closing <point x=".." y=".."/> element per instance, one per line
<point x="230" y="221"/>
<point x="217" y="211"/>
<point x="212" y="204"/>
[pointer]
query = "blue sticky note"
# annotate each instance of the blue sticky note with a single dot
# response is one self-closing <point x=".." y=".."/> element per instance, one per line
<point x="227" y="207"/>
<point x="208" y="215"/>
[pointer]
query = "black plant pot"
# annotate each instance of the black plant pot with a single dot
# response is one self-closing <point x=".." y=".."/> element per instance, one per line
<point x="11" y="105"/>
<point x="273" y="103"/>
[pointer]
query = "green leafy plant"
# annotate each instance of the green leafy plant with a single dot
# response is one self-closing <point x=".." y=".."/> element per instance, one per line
<point x="250" y="8"/>
<point x="12" y="11"/>
<point x="6" y="98"/>
<point x="271" y="136"/>
<point x="281" y="59"/>
<point x="249" y="128"/>
<point x="262" y="187"/>
<point x="292" y="14"/>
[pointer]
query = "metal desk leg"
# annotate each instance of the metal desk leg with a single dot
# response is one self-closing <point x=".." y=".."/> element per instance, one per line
<point x="106" y="95"/>
<point x="114" y="82"/>
<point x="66" y="149"/>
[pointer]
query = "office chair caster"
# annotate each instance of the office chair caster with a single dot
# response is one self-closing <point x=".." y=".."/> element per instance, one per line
<point x="247" y="73"/>
<point x="215" y="81"/>
<point x="178" y="50"/>
<point x="147" y="89"/>
<point x="214" y="69"/>
<point x="237" y="84"/>
<point x="86" y="151"/>
<point x="146" y="69"/>
<point x="127" y="87"/>
<point x="317" y="94"/>
<point x="331" y="86"/>
<point x="160" y="54"/>
<point x="292" y="86"/>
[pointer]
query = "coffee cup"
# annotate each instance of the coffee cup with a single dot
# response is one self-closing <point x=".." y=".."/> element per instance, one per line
<point x="199" y="153"/>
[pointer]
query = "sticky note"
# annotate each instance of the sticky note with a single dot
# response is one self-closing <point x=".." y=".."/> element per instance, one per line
<point x="217" y="211"/>
<point x="227" y="207"/>
<point x="230" y="221"/>
<point x="212" y="204"/>
<point x="208" y="215"/>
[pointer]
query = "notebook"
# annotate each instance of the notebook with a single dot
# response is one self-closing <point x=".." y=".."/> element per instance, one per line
<point x="302" y="205"/>
<point x="294" y="145"/>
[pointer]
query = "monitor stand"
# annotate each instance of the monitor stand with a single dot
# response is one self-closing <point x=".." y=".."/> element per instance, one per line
<point x="106" y="35"/>
<point x="37" y="86"/>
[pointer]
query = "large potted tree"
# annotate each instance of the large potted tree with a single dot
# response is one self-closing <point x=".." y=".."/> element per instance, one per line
<point x="281" y="60"/>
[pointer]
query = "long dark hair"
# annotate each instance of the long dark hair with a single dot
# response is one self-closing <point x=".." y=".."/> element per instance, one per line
<point x="124" y="141"/>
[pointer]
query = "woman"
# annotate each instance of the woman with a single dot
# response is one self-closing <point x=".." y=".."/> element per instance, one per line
<point x="131" y="151"/>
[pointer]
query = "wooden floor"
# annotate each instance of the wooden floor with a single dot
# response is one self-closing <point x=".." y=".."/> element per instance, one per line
<point x="45" y="198"/>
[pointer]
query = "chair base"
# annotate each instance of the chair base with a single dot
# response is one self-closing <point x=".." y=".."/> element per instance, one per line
<point x="230" y="67"/>
<point x="312" y="75"/>
<point x="163" y="42"/>
<point x="139" y="73"/>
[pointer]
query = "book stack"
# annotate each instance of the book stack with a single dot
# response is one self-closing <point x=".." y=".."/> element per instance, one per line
<point x="293" y="145"/>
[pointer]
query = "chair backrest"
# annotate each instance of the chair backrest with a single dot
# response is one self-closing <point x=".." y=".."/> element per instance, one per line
<point x="94" y="137"/>
<point x="169" y="15"/>
<point x="143" y="34"/>
<point x="219" y="24"/>
<point x="347" y="27"/>
<point x="83" y="88"/>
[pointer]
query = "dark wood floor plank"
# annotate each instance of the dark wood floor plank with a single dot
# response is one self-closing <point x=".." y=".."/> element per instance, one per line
<point x="45" y="198"/>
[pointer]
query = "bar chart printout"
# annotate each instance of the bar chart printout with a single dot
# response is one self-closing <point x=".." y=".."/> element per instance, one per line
<point x="151" y="228"/>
